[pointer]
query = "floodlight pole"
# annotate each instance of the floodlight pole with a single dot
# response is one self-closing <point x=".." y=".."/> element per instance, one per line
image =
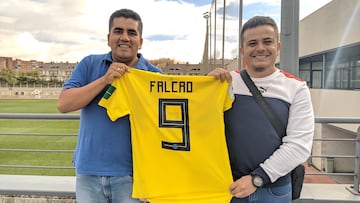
<point x="289" y="36"/>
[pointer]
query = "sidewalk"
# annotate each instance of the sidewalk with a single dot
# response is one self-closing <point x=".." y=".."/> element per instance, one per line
<point x="317" y="188"/>
<point x="324" y="179"/>
<point x="61" y="186"/>
<point x="324" y="188"/>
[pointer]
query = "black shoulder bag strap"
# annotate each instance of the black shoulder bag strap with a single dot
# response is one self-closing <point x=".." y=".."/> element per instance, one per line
<point x="297" y="174"/>
<point x="276" y="123"/>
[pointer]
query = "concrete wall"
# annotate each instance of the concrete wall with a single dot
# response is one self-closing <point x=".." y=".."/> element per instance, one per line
<point x="29" y="93"/>
<point x="335" y="104"/>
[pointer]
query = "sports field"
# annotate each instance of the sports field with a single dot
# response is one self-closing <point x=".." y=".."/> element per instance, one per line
<point x="19" y="126"/>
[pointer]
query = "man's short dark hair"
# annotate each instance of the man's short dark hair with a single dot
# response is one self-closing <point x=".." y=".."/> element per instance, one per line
<point x="126" y="13"/>
<point x="258" y="21"/>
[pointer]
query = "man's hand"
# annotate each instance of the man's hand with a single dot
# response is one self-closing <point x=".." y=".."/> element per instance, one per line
<point x="116" y="70"/>
<point x="221" y="74"/>
<point x="143" y="200"/>
<point x="242" y="187"/>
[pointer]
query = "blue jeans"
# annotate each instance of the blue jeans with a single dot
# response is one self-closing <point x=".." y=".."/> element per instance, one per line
<point x="280" y="194"/>
<point x="104" y="189"/>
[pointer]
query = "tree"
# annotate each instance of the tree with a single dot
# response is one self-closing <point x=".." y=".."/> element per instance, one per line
<point x="9" y="76"/>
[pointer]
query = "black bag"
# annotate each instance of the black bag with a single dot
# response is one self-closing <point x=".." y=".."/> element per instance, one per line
<point x="297" y="180"/>
<point x="298" y="173"/>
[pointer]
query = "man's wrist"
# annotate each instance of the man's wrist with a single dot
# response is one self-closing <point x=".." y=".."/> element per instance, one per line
<point x="257" y="180"/>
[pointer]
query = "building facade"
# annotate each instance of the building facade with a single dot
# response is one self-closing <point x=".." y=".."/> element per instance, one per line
<point x="56" y="71"/>
<point x="6" y="62"/>
<point x="52" y="71"/>
<point x="329" y="46"/>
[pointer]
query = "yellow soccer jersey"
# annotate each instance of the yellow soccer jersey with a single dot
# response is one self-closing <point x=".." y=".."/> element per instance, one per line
<point x="178" y="139"/>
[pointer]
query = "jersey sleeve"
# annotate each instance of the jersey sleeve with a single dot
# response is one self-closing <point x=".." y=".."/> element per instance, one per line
<point x="115" y="100"/>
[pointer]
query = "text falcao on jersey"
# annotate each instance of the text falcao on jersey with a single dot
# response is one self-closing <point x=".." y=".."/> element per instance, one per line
<point x="173" y="86"/>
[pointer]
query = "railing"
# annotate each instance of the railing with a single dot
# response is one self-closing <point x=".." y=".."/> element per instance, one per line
<point x="37" y="117"/>
<point x="353" y="189"/>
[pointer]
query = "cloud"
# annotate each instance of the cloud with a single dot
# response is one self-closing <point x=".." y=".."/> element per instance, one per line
<point x="68" y="30"/>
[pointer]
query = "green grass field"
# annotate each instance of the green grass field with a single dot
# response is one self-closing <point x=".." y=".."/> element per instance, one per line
<point x="36" y="106"/>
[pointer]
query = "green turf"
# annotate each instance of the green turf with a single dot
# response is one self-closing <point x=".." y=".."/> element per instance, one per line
<point x="28" y="106"/>
<point x="20" y="126"/>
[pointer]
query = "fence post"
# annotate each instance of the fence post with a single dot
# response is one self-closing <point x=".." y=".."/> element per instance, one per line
<point x="355" y="188"/>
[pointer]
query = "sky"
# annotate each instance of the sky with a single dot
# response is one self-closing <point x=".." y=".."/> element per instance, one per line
<point x="68" y="30"/>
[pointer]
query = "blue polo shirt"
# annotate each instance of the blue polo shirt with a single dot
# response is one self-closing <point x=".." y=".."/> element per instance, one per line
<point x="104" y="146"/>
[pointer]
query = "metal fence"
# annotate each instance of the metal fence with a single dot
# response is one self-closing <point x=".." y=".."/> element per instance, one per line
<point x="14" y="116"/>
<point x="356" y="156"/>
